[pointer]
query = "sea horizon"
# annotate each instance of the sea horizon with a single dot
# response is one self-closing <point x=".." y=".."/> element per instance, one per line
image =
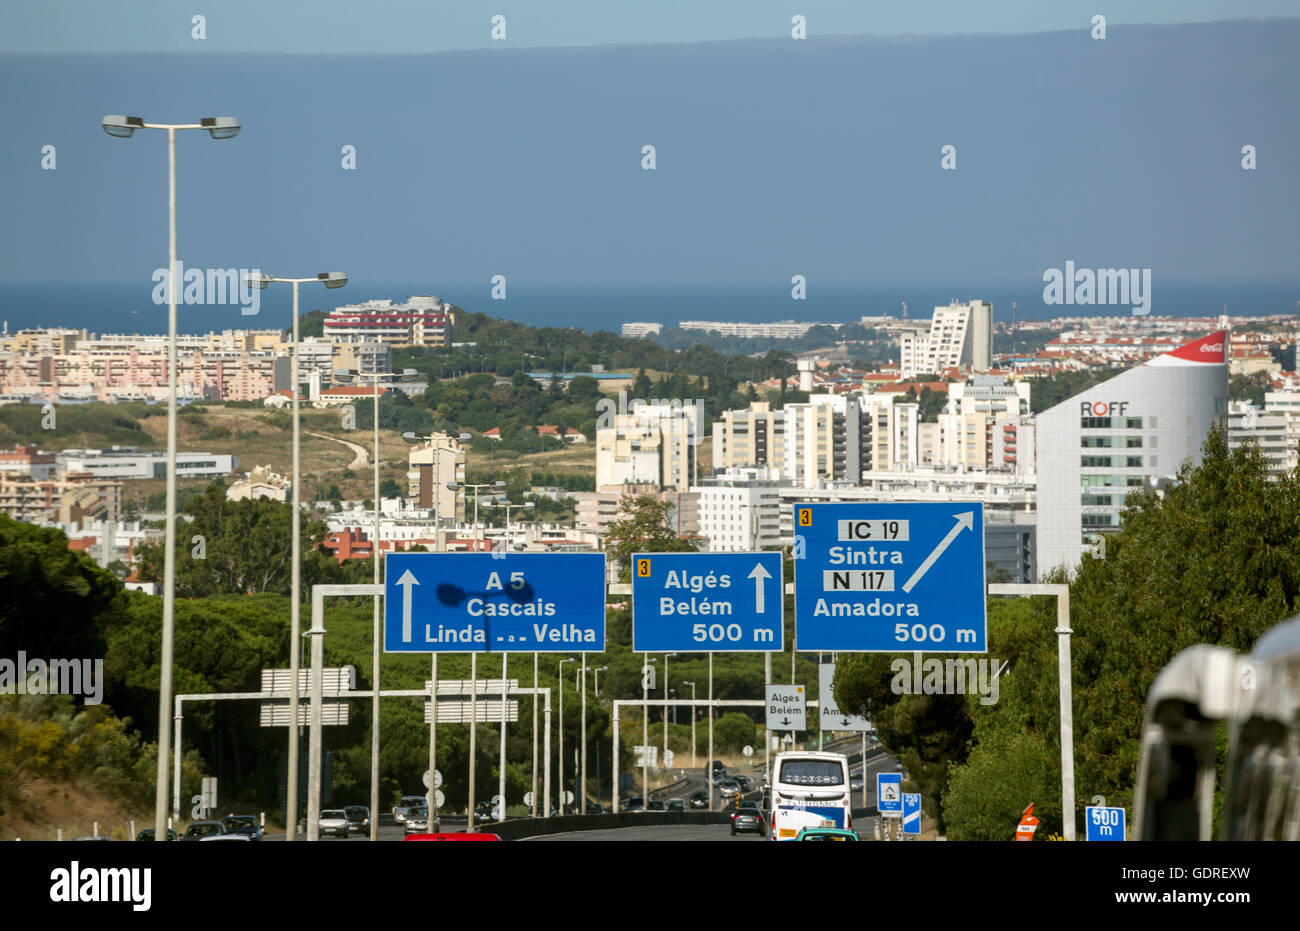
<point x="128" y="307"/>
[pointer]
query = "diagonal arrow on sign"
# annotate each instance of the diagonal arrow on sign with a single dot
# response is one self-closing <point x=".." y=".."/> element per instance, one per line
<point x="965" y="521"/>
<point x="758" y="575"/>
<point x="406" y="581"/>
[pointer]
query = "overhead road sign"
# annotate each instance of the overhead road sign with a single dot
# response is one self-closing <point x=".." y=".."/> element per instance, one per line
<point x="701" y="602"/>
<point x="486" y="711"/>
<point x="911" y="812"/>
<point x="890" y="578"/>
<point x="828" y="713"/>
<point x="889" y="794"/>
<point x="494" y="603"/>
<point x="787" y="708"/>
<point x="1104" y="823"/>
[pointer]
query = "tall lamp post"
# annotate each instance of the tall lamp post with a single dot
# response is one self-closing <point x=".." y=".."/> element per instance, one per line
<point x="433" y="657"/>
<point x="692" y="685"/>
<point x="330" y="280"/>
<point x="473" y="664"/>
<point x="221" y="127"/>
<point x="378" y="632"/>
<point x="596" y="673"/>
<point x="667" y="656"/>
<point x="559" y="675"/>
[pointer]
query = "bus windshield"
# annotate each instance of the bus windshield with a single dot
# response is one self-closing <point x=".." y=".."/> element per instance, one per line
<point x="811" y="773"/>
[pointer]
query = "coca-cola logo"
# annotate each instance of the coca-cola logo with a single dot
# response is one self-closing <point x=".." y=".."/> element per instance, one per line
<point x="1212" y="347"/>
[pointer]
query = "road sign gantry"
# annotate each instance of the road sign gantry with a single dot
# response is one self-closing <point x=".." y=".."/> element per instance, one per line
<point x="890" y="577"/>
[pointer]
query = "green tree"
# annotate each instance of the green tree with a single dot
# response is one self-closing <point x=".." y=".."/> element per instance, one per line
<point x="643" y="527"/>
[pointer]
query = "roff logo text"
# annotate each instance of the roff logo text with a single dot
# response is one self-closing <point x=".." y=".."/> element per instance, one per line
<point x="1104" y="408"/>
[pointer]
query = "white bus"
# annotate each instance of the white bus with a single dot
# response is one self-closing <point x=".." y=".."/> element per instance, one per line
<point x="809" y="789"/>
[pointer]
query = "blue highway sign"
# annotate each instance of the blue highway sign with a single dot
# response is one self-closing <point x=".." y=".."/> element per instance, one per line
<point x="493" y="603"/>
<point x="890" y="578"/>
<point x="1104" y="823"/>
<point x="911" y="812"/>
<point x="889" y="793"/>
<point x="706" y="601"/>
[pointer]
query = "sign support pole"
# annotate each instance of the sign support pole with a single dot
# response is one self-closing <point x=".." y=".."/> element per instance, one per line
<point x="710" y="772"/>
<point x="582" y="792"/>
<point x="473" y="718"/>
<point x="645" y="732"/>
<point x="534" y="771"/>
<point x="433" y="744"/>
<point x="767" y="734"/>
<point x="501" y="774"/>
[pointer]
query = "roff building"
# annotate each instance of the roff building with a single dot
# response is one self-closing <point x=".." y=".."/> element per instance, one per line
<point x="1122" y="434"/>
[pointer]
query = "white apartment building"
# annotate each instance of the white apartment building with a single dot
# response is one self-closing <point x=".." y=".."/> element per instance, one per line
<point x="782" y="329"/>
<point x="634" y="330"/>
<point x="434" y="463"/>
<point x="653" y="445"/>
<point x="740" y="511"/>
<point x="960" y="335"/>
<point x="129" y="462"/>
<point x="1272" y="432"/>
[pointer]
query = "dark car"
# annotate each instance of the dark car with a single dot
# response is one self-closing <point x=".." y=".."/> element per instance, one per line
<point x="635" y="803"/>
<point x="744" y="782"/>
<point x="148" y="834"/>
<point x="242" y="824"/>
<point x="748" y="818"/>
<point x="201" y="829"/>
<point x="358" y="819"/>
<point x="699" y="799"/>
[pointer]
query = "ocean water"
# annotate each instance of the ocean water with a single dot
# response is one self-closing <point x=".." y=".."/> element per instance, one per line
<point x="117" y="307"/>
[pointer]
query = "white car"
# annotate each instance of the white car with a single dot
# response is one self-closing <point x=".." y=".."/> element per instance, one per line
<point x="334" y="821"/>
<point x="405" y="804"/>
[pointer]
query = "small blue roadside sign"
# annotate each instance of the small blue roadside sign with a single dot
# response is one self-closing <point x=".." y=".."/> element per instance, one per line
<point x="890" y="578"/>
<point x="1104" y="823"/>
<point x="700" y="602"/>
<point x="911" y="812"/>
<point x="889" y="793"/>
<point x="490" y="603"/>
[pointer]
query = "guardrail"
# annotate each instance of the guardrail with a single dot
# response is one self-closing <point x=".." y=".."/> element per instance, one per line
<point x="533" y="827"/>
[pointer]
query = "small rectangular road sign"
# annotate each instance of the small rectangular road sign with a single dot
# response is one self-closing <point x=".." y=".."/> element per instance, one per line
<point x="830" y="716"/>
<point x="787" y="708"/>
<point x="911" y="812"/>
<point x="889" y="793"/>
<point x="1104" y="823"/>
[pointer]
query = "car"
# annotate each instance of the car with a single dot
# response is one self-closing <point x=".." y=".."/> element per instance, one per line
<point x="239" y="838"/>
<point x="656" y="805"/>
<point x="635" y="803"/>
<point x="358" y="819"/>
<point x="729" y="788"/>
<point x="717" y="766"/>
<point x="96" y="837"/>
<point x="417" y="821"/>
<point x="748" y="818"/>
<point x="243" y="824"/>
<point x="855" y="782"/>
<point x="405" y="804"/>
<point x="594" y="808"/>
<point x="201" y="829"/>
<point x="744" y="782"/>
<point x="677" y="804"/>
<point x="334" y="821"/>
<point x="830" y="834"/>
<point x="148" y="834"/>
<point x="462" y="835"/>
<point x="699" y="799"/>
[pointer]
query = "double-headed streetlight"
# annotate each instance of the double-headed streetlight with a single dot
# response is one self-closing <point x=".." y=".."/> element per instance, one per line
<point x="692" y="685"/>
<point x="221" y="127"/>
<point x="667" y="656"/>
<point x="597" y="672"/>
<point x="473" y="663"/>
<point x="374" y="660"/>
<point x="330" y="280"/>
<point x="416" y="438"/>
<point x="559" y="675"/>
<point x="501" y="789"/>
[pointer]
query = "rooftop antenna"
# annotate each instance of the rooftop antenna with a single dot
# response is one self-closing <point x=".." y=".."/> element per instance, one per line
<point x="1013" y="335"/>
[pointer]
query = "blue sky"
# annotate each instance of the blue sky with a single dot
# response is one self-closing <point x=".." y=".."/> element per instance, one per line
<point x="387" y="26"/>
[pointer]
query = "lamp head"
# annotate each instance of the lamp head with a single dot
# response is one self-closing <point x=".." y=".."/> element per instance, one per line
<point x="334" y="280"/>
<point x="221" y="127"/>
<point x="257" y="280"/>
<point x="121" y="126"/>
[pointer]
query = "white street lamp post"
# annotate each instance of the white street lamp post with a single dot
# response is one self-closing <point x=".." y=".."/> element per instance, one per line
<point x="222" y="127"/>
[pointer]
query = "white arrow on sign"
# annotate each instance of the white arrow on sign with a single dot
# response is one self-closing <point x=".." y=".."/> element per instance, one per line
<point x="965" y="521"/>
<point x="406" y="581"/>
<point x="758" y="575"/>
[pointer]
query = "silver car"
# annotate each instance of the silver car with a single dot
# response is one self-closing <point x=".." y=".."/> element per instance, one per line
<point x="417" y="821"/>
<point x="405" y="804"/>
<point x="334" y="821"/>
